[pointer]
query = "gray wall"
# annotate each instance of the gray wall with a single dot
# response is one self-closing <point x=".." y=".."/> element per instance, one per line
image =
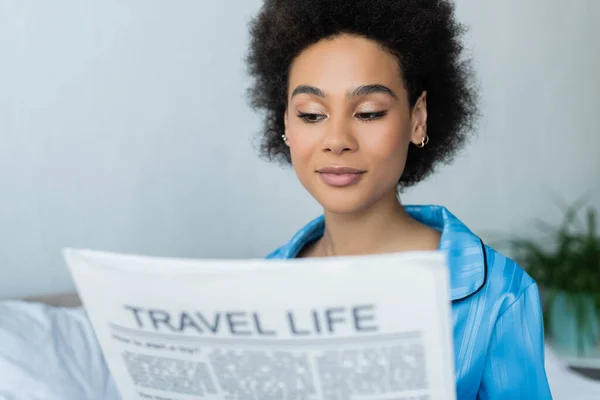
<point x="124" y="127"/>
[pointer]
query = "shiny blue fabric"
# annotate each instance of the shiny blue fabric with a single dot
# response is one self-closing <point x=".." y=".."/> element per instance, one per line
<point x="496" y="312"/>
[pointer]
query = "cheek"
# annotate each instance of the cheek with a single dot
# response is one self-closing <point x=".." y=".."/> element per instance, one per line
<point x="387" y="147"/>
<point x="303" y="145"/>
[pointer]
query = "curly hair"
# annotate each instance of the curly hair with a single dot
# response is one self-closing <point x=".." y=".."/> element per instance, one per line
<point x="424" y="36"/>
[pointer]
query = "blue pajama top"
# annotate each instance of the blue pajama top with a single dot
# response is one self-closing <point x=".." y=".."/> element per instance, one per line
<point x="496" y="311"/>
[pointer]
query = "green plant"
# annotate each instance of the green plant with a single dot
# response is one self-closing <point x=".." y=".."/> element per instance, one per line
<point x="565" y="259"/>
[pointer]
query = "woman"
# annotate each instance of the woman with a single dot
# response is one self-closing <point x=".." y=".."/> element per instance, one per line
<point x="366" y="97"/>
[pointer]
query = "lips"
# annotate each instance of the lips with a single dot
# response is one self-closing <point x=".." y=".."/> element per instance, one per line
<point x="340" y="176"/>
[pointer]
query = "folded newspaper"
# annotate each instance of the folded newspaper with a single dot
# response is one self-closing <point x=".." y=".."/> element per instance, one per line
<point x="342" y="328"/>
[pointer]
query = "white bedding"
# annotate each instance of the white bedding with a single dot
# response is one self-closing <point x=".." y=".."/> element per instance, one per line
<point x="50" y="353"/>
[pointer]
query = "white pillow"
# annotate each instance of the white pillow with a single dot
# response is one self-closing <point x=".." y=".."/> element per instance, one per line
<point x="50" y="353"/>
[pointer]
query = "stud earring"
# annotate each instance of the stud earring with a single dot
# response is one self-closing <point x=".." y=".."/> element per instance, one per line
<point x="285" y="138"/>
<point x="424" y="141"/>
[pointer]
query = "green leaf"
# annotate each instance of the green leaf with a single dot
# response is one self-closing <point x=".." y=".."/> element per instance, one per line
<point x="564" y="257"/>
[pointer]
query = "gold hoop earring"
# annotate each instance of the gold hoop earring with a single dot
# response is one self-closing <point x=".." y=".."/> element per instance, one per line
<point x="424" y="141"/>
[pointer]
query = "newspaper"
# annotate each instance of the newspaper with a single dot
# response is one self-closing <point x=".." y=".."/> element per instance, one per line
<point x="339" y="328"/>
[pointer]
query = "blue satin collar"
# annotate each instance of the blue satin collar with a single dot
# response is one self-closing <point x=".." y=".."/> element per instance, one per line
<point x="465" y="251"/>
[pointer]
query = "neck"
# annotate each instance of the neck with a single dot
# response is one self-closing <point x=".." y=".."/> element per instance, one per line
<point x="382" y="228"/>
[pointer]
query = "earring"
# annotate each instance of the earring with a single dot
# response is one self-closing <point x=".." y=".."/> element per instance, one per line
<point x="284" y="137"/>
<point x="424" y="141"/>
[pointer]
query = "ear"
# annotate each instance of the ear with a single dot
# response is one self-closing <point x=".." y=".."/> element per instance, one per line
<point x="285" y="125"/>
<point x="419" y="119"/>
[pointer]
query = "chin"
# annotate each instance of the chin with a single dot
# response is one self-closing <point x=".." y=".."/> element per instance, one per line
<point x="342" y="203"/>
<point x="342" y="200"/>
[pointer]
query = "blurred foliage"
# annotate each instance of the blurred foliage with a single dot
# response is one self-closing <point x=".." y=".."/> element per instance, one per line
<point x="564" y="259"/>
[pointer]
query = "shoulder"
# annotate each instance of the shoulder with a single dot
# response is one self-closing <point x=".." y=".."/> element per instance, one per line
<point x="513" y="366"/>
<point x="506" y="281"/>
<point x="308" y="233"/>
<point x="277" y="253"/>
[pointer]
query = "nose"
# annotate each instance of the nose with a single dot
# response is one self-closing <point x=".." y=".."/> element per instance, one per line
<point x="339" y="137"/>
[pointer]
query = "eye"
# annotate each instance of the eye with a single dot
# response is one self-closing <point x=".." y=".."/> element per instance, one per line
<point x="311" y="118"/>
<point x="371" y="116"/>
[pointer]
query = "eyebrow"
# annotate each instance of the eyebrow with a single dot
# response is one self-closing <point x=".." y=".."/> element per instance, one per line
<point x="362" y="90"/>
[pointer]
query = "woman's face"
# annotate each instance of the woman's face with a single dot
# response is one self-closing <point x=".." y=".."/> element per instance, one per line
<point x="349" y="123"/>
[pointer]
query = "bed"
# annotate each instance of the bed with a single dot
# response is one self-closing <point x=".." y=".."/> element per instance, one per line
<point x="48" y="351"/>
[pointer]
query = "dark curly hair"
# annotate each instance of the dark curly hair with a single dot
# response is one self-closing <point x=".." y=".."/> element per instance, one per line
<point x="423" y="34"/>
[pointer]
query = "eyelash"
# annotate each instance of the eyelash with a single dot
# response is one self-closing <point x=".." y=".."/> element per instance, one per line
<point x="374" y="116"/>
